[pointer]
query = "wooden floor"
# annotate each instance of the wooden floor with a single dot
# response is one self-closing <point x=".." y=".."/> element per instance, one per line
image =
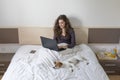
<point x="112" y="77"/>
<point x="0" y="77"/>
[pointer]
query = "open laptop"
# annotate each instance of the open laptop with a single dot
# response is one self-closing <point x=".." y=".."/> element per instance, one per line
<point x="50" y="43"/>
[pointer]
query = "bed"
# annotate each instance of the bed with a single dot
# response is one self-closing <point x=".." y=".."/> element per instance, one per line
<point x="34" y="62"/>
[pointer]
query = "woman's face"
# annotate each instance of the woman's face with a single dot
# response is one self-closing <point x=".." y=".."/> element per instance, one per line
<point x="61" y="23"/>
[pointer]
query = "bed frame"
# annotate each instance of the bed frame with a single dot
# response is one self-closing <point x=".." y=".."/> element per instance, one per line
<point x="31" y="35"/>
<point x="103" y="35"/>
<point x="9" y="35"/>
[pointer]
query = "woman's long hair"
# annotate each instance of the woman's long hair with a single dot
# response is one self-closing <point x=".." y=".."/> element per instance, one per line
<point x="58" y="30"/>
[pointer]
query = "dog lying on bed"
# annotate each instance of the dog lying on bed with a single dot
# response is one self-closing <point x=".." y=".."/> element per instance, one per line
<point x="70" y="63"/>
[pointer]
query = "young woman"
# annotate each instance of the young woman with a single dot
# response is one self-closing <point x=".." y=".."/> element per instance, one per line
<point x="63" y="32"/>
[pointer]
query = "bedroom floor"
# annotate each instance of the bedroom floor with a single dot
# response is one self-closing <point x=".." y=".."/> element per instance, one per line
<point x="112" y="77"/>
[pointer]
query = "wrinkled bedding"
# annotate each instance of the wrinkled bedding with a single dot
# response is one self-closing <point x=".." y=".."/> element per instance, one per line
<point x="39" y="65"/>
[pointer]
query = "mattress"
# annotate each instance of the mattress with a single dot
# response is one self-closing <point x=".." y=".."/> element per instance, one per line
<point x="38" y="64"/>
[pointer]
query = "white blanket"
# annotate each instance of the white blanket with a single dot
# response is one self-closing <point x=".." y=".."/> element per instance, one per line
<point x="39" y="65"/>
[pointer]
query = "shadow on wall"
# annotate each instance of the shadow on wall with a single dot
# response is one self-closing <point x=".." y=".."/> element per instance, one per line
<point x="75" y="22"/>
<point x="80" y="31"/>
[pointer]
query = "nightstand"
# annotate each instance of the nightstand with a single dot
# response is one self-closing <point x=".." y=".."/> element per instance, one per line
<point x="5" y="59"/>
<point x="111" y="66"/>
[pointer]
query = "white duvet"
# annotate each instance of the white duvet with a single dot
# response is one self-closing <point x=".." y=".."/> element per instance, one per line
<point x="39" y="65"/>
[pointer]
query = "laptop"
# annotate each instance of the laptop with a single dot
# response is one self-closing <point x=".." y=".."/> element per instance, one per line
<point x="50" y="44"/>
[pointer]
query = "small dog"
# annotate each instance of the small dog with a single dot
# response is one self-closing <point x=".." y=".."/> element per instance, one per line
<point x="70" y="63"/>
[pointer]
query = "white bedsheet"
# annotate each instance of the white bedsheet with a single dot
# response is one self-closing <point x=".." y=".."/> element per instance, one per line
<point x="39" y="66"/>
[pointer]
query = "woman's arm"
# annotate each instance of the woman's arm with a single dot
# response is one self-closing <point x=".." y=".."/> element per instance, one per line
<point x="73" y="42"/>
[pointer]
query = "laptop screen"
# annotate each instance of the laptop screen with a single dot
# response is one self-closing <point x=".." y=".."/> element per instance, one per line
<point x="49" y="43"/>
